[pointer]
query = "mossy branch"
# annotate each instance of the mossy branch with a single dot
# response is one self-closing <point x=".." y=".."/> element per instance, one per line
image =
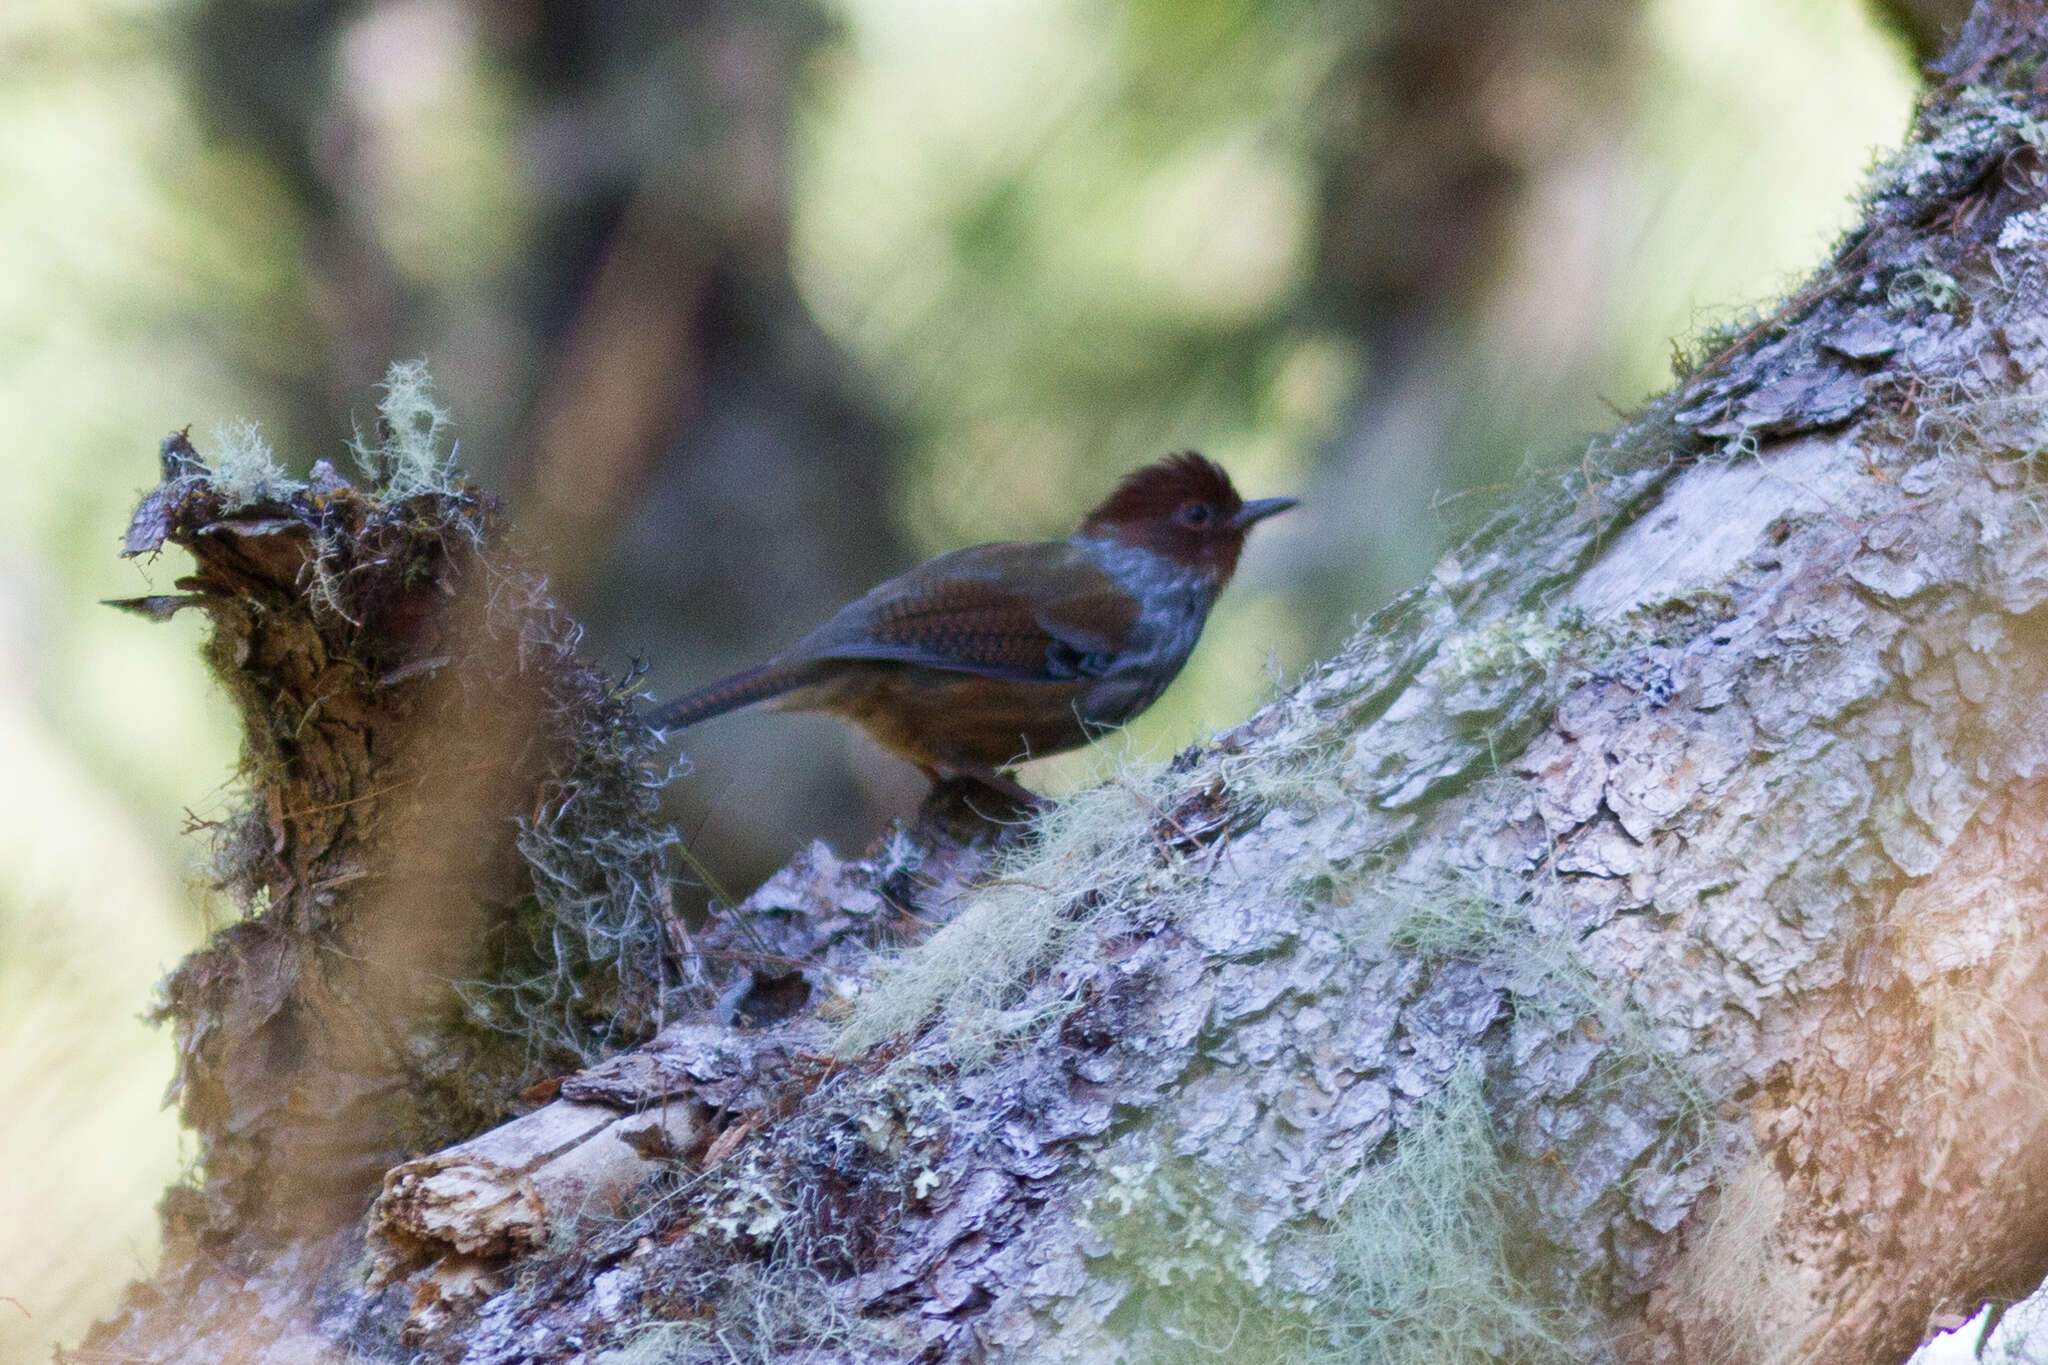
<point x="451" y="878"/>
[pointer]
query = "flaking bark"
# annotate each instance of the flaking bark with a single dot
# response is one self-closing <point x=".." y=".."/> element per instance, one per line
<point x="1629" y="948"/>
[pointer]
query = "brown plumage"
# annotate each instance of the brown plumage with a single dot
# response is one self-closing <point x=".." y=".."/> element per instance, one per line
<point x="985" y="656"/>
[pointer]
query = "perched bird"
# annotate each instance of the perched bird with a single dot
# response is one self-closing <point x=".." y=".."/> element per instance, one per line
<point x="987" y="656"/>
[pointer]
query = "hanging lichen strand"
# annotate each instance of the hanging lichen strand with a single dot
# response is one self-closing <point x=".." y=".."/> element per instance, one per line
<point x="449" y="872"/>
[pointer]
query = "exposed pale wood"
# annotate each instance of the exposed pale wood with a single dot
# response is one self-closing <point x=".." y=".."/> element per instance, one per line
<point x="506" y="1192"/>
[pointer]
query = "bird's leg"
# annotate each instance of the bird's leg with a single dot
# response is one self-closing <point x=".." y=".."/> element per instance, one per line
<point x="1001" y="783"/>
<point x="977" y="806"/>
<point x="1015" y="792"/>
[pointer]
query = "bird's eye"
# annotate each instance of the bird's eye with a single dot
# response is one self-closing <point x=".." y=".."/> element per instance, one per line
<point x="1195" y="514"/>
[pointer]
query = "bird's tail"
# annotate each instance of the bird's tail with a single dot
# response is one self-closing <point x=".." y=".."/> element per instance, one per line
<point x="730" y="694"/>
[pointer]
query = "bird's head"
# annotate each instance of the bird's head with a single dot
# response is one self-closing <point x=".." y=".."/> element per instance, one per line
<point x="1185" y="509"/>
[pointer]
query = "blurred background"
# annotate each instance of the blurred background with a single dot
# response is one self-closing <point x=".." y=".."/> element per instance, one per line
<point x="745" y="306"/>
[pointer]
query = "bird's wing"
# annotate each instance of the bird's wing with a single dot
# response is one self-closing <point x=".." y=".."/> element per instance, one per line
<point x="1021" y="612"/>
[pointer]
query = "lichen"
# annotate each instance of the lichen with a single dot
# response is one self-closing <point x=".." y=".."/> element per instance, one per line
<point x="1927" y="287"/>
<point x="1500" y="648"/>
<point x="1735" y="1277"/>
<point x="755" y="1313"/>
<point x="1955" y="137"/>
<point x="245" y="472"/>
<point x="404" y="457"/>
<point x="1099" y="846"/>
<point x="1422" y="1260"/>
<point x="786" y="1233"/>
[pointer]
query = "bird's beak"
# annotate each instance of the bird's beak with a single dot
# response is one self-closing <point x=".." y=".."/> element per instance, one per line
<point x="1258" y="510"/>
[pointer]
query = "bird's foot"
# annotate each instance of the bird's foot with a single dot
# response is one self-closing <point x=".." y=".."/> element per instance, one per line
<point x="986" y="794"/>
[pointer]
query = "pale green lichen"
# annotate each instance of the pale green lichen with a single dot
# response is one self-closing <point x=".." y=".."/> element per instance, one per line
<point x="1977" y="123"/>
<point x="1421" y="1261"/>
<point x="1737" y="1278"/>
<point x="1427" y="1255"/>
<point x="1500" y="648"/>
<point x="1196" y="1286"/>
<point x="754" y="1314"/>
<point x="1423" y="1254"/>
<point x="969" y="979"/>
<point x="1925" y="287"/>
<point x="245" y="472"/>
<point x="2024" y="231"/>
<point x="405" y="457"/>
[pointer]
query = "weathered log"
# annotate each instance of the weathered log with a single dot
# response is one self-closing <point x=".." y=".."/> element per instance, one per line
<point x="463" y="1213"/>
<point x="1629" y="948"/>
<point x="501" y="1194"/>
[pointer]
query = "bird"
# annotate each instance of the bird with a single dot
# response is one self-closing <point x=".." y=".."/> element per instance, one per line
<point x="986" y="656"/>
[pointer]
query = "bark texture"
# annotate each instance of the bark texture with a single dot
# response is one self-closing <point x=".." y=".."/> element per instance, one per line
<point x="1628" y="948"/>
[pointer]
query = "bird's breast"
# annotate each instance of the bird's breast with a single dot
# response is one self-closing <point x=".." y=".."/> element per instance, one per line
<point x="1174" y="600"/>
